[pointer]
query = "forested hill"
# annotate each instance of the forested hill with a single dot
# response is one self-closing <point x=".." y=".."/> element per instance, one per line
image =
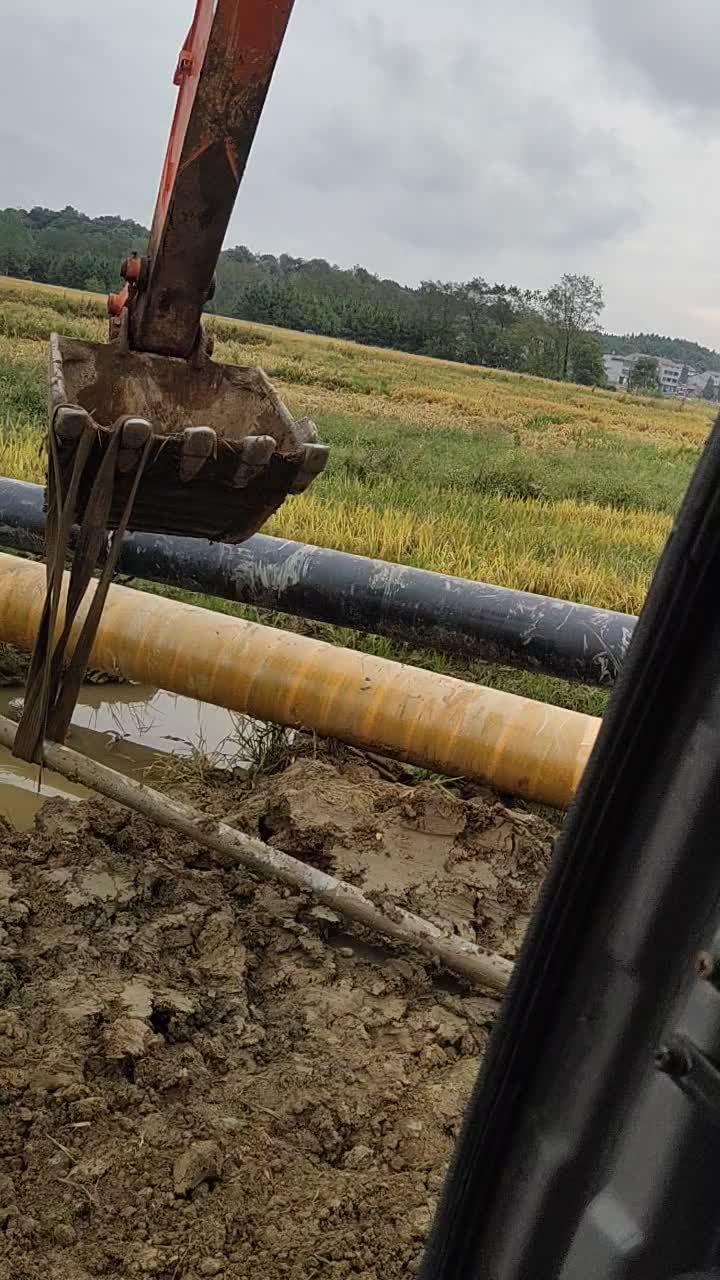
<point x="66" y="247"/>
<point x="653" y="344"/>
<point x="554" y="334"/>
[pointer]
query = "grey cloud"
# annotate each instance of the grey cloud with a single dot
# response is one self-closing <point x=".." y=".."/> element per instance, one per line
<point x="363" y="156"/>
<point x="394" y="57"/>
<point x="668" y="49"/>
<point x="85" y="113"/>
<point x="400" y="110"/>
<point x="419" y="139"/>
<point x="335" y="156"/>
<point x="24" y="157"/>
<point x="510" y="206"/>
<point x="463" y="161"/>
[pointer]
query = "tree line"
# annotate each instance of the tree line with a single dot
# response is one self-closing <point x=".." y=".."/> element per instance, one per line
<point x="553" y="333"/>
<point x="66" y="247"/>
<point x="682" y="350"/>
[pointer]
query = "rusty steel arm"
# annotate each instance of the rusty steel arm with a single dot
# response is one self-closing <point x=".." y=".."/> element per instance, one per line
<point x="223" y="74"/>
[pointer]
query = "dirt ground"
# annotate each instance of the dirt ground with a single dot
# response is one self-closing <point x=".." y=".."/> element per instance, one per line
<point x="13" y="666"/>
<point x="204" y="1075"/>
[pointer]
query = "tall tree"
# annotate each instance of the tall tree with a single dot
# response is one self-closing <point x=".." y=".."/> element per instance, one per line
<point x="643" y="377"/>
<point x="586" y="361"/>
<point x="438" y="301"/>
<point x="16" y="244"/>
<point x="536" y="344"/>
<point x="474" y="334"/>
<point x="570" y="308"/>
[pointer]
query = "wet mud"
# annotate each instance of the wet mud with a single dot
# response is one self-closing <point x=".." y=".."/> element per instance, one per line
<point x="202" y="1074"/>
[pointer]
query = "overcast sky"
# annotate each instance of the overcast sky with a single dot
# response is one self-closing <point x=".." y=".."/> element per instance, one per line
<point x="514" y="139"/>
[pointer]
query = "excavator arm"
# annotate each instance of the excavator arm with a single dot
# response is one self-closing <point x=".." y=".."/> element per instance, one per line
<point x="225" y="450"/>
<point x="223" y="75"/>
<point x="146" y="432"/>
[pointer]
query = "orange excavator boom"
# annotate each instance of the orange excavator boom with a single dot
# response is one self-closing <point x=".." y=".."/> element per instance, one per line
<point x="223" y="75"/>
<point x="145" y="431"/>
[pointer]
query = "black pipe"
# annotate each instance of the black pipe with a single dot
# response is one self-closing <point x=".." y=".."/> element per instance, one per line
<point x="427" y="610"/>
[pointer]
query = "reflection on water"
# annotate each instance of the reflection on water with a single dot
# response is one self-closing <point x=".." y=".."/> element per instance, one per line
<point x="129" y="728"/>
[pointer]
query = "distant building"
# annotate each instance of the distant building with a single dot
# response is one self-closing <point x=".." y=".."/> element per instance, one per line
<point x="617" y="369"/>
<point x="701" y="380"/>
<point x="674" y="378"/>
<point x="669" y="373"/>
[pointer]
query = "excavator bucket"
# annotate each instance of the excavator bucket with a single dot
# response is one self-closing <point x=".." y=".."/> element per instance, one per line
<point x="146" y="432"/>
<point x="148" y="424"/>
<point x="218" y="450"/>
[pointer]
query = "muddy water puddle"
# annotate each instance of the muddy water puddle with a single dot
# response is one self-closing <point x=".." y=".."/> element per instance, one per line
<point x="130" y="728"/>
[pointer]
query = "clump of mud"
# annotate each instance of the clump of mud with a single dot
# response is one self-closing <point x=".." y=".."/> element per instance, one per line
<point x="205" y="1075"/>
<point x="13" y="666"/>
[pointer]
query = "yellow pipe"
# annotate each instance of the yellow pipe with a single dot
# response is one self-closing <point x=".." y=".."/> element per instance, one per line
<point x="522" y="747"/>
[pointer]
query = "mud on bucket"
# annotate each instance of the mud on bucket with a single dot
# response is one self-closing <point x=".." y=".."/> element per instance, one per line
<point x="221" y="451"/>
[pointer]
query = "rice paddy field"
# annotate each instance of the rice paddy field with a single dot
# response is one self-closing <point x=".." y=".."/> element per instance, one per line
<point x="538" y="485"/>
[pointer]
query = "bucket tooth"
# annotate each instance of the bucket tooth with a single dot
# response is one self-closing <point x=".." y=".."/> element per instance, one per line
<point x="198" y="444"/>
<point x="314" y="461"/>
<point x="255" y="454"/>
<point x="135" y="433"/>
<point x="69" y="423"/>
<point x="222" y="456"/>
<point x="305" y="430"/>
